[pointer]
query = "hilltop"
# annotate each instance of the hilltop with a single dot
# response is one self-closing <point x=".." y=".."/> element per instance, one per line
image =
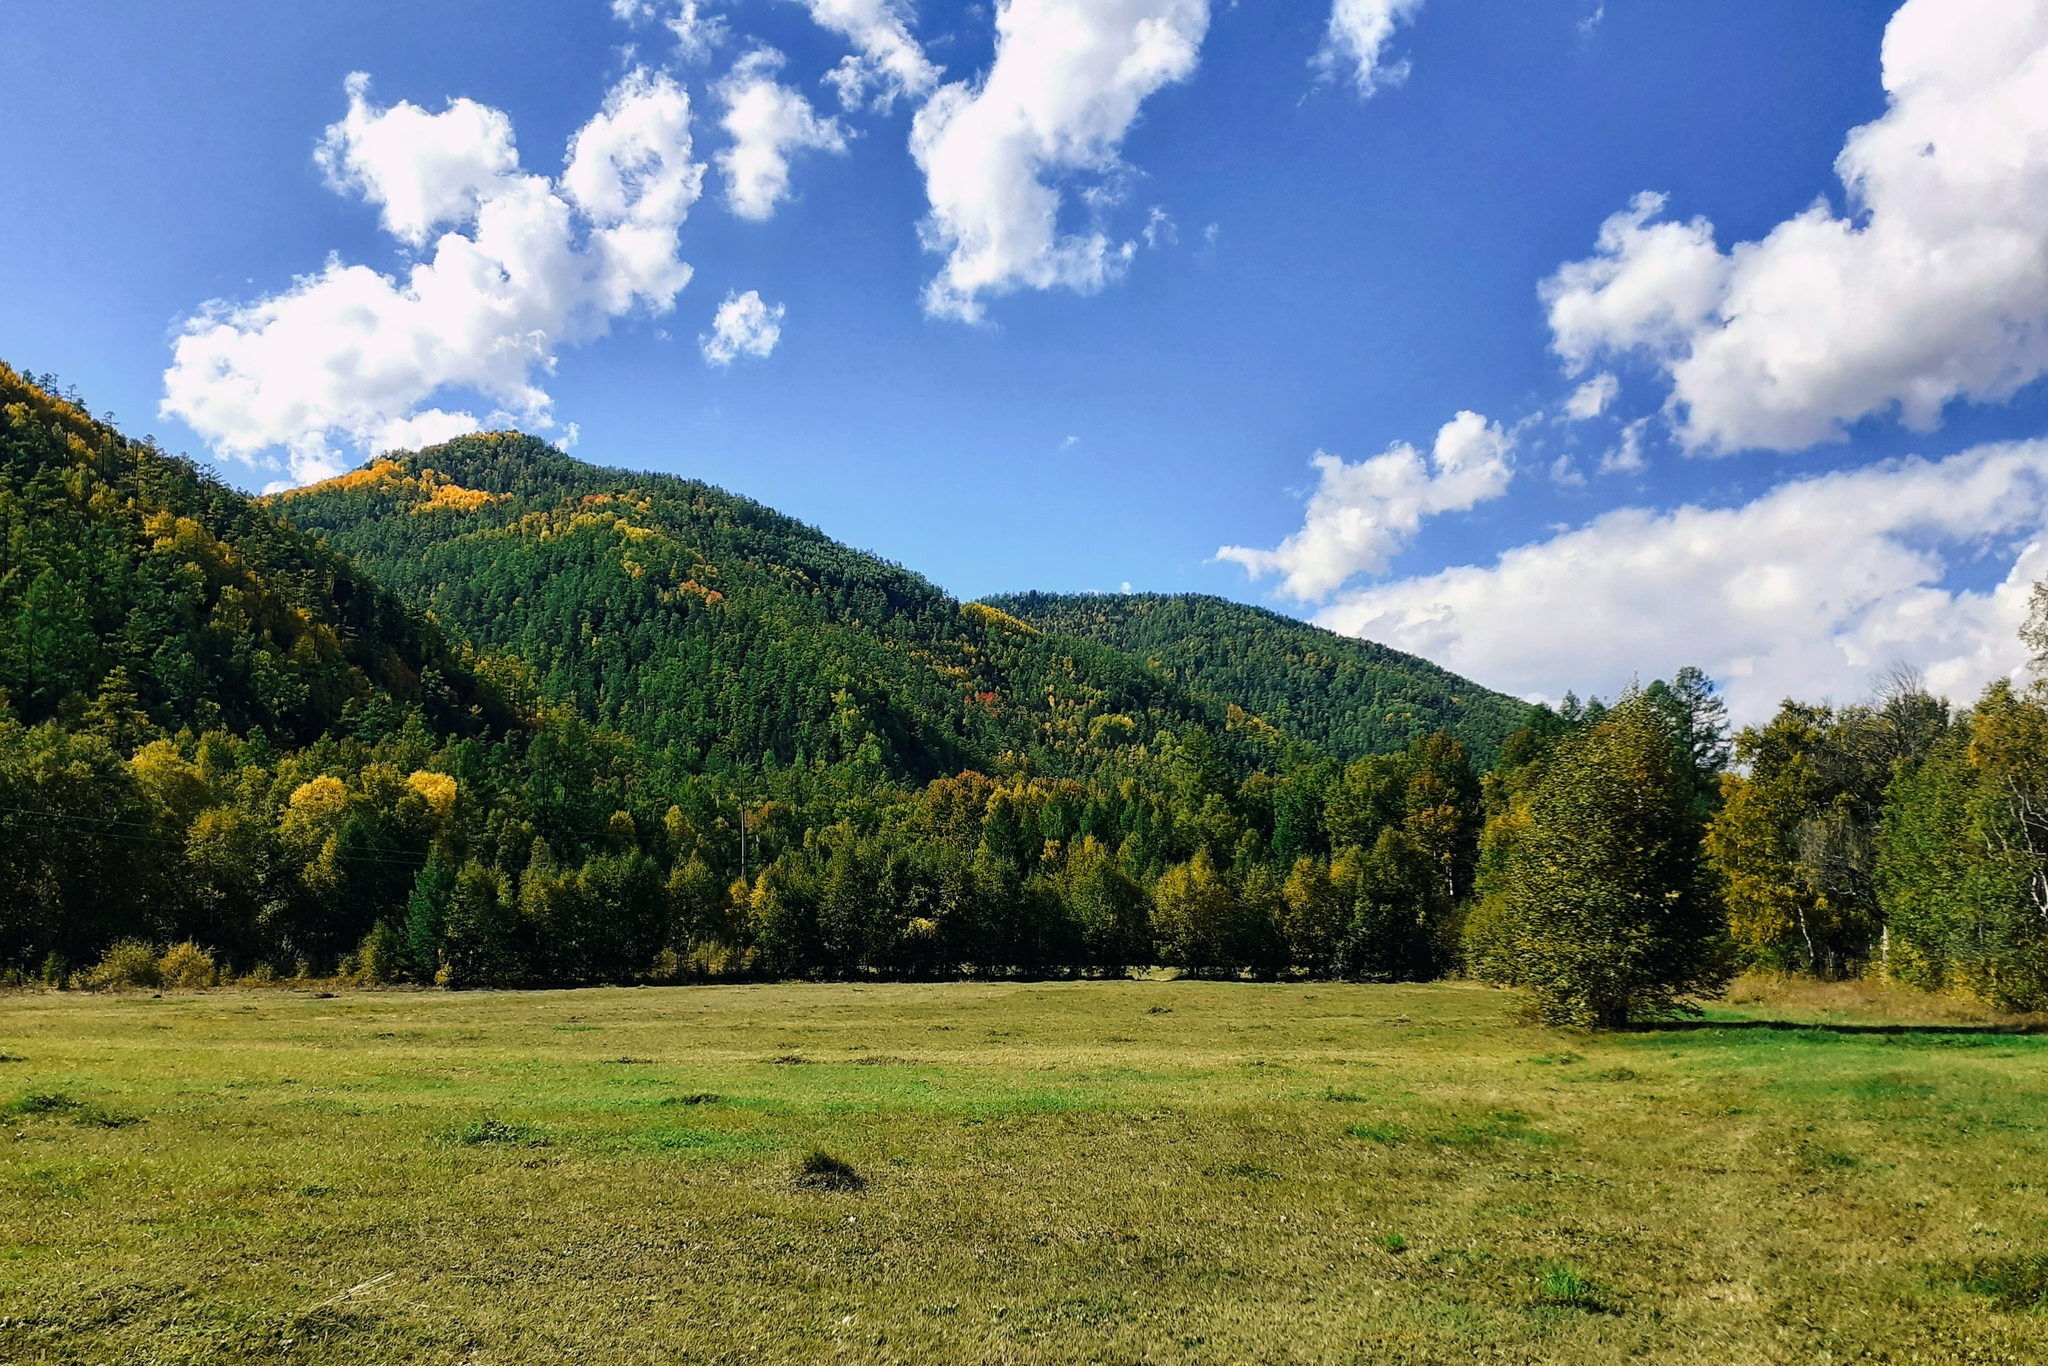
<point x="720" y="632"/>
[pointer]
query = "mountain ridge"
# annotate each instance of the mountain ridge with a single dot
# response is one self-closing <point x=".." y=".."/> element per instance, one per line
<point x="1348" y="696"/>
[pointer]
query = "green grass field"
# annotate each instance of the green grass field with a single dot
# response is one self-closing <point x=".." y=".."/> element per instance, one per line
<point x="1085" y="1172"/>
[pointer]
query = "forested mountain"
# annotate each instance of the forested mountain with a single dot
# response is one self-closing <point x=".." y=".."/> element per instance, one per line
<point x="486" y="715"/>
<point x="138" y="591"/>
<point x="1349" y="697"/>
<point x="720" y="633"/>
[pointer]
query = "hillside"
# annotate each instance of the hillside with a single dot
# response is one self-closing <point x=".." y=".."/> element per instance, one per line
<point x="143" y="595"/>
<point x="1348" y="697"/>
<point x="718" y="631"/>
<point x="668" y="733"/>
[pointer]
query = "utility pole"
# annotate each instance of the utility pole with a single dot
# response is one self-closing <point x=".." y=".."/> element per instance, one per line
<point x="743" y="839"/>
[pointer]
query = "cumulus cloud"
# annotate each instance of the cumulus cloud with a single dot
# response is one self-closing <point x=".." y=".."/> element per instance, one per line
<point x="1807" y="591"/>
<point x="1356" y="39"/>
<point x="514" y="266"/>
<point x="744" y="326"/>
<point x="888" y="60"/>
<point x="768" y="121"/>
<point x="1362" y="514"/>
<point x="1934" y="287"/>
<point x="1066" y="85"/>
<point x="1590" y="399"/>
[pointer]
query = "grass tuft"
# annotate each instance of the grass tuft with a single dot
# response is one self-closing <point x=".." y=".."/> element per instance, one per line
<point x="1389" y="1134"/>
<point x="488" y="1132"/>
<point x="1563" y="1287"/>
<point x="1814" y="1158"/>
<point x="2017" y="1283"/>
<point x="819" y="1170"/>
<point x="54" y="1103"/>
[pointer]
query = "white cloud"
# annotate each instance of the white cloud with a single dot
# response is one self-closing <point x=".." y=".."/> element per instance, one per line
<point x="1068" y="78"/>
<point x="1627" y="458"/>
<point x="767" y="122"/>
<point x="697" y="31"/>
<point x="514" y="267"/>
<point x="744" y="326"/>
<point x="1935" y="288"/>
<point x="1590" y="399"/>
<point x="1805" y="592"/>
<point x="1160" y="227"/>
<point x="889" y="60"/>
<point x="1357" y="38"/>
<point x="1651" y="287"/>
<point x="1361" y="515"/>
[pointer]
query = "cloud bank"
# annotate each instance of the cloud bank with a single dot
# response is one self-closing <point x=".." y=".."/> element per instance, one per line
<point x="514" y="266"/>
<point x="1807" y="591"/>
<point x="1067" y="82"/>
<point x="1934" y="287"/>
<point x="1362" y="515"/>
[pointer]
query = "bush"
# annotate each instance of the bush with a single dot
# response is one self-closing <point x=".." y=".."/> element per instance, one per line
<point x="129" y="963"/>
<point x="186" y="965"/>
<point x="379" y="959"/>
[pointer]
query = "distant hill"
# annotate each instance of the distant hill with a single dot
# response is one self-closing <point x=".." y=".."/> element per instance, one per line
<point x="142" y="594"/>
<point x="719" y="632"/>
<point x="1349" y="697"/>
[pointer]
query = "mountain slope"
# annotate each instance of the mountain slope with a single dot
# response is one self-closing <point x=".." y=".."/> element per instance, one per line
<point x="1349" y="697"/>
<point x="139" y="589"/>
<point x="720" y="632"/>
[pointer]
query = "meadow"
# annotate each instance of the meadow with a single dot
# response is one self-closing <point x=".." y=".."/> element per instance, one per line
<point x="1127" y="1171"/>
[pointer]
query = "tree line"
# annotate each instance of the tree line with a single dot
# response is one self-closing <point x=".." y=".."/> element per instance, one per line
<point x="217" y="730"/>
<point x="1618" y="860"/>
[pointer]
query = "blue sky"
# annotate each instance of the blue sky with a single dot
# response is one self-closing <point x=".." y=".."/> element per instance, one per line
<point x="1294" y="230"/>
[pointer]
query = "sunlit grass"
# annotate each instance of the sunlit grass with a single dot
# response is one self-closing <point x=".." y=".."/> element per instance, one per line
<point x="1111" y="1171"/>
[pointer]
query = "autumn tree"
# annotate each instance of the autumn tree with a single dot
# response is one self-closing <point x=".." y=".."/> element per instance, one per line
<point x="1610" y="912"/>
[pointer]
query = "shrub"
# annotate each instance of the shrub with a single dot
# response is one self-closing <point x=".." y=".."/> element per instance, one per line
<point x="129" y="963"/>
<point x="186" y="965"/>
<point x="380" y="958"/>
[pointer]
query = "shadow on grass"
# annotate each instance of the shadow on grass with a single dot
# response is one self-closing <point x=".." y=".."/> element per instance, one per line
<point x="1823" y="1027"/>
